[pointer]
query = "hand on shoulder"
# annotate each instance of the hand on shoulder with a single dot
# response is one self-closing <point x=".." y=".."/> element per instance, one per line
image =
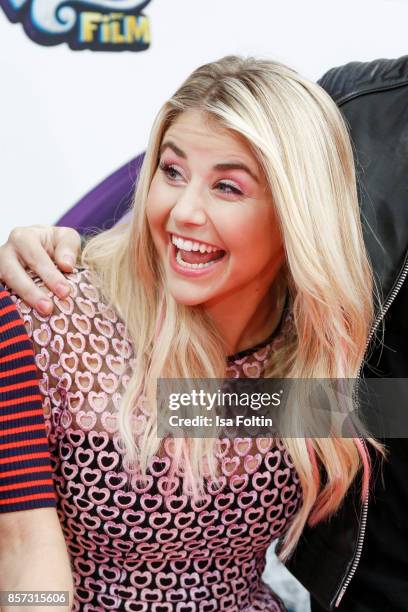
<point x="45" y="250"/>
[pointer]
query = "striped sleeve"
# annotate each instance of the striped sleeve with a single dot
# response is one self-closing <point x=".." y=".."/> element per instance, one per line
<point x="25" y="468"/>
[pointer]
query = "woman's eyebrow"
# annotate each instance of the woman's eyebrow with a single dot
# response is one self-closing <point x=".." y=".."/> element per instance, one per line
<point x="222" y="166"/>
<point x="169" y="144"/>
<point x="236" y="166"/>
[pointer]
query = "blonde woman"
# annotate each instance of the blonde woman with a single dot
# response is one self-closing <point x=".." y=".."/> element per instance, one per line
<point x="244" y="257"/>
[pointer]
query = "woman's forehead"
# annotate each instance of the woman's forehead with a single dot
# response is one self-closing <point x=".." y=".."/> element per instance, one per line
<point x="196" y="129"/>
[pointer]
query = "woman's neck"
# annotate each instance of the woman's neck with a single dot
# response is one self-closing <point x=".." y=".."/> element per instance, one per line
<point x="244" y="321"/>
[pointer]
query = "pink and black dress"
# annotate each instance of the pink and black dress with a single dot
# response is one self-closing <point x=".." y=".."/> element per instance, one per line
<point x="150" y="548"/>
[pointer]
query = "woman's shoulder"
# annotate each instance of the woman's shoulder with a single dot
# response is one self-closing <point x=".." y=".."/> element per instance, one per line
<point x="83" y="323"/>
<point x="84" y="300"/>
<point x="82" y="285"/>
<point x="81" y="349"/>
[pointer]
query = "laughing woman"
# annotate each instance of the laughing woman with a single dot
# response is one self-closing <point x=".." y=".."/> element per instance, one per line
<point x="244" y="258"/>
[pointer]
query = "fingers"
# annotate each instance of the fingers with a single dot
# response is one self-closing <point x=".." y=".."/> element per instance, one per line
<point x="13" y="274"/>
<point x="33" y="248"/>
<point x="67" y="247"/>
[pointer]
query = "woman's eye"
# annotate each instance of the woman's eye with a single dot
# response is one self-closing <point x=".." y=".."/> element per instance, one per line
<point x="170" y="171"/>
<point x="229" y="187"/>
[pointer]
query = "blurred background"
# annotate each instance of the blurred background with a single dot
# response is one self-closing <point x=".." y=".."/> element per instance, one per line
<point x="71" y="117"/>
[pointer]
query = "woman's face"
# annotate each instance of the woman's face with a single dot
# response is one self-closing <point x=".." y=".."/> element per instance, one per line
<point x="211" y="215"/>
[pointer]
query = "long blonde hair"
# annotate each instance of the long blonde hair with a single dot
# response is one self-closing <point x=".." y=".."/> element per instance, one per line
<point x="300" y="140"/>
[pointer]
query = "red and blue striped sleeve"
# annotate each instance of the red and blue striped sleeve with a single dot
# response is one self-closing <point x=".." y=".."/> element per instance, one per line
<point x="25" y="467"/>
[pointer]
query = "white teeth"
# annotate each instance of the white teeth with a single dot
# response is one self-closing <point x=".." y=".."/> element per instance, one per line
<point x="183" y="263"/>
<point x="189" y="245"/>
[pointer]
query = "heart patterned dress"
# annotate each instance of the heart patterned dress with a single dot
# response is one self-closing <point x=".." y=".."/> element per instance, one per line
<point x="148" y="547"/>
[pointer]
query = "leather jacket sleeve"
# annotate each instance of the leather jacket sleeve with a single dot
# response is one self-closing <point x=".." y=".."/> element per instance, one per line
<point x="373" y="98"/>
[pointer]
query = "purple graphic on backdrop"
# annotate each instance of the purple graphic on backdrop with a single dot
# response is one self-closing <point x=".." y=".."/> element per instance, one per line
<point x="99" y="25"/>
<point x="107" y="203"/>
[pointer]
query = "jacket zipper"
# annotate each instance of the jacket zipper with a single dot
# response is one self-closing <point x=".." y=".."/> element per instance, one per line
<point x="364" y="513"/>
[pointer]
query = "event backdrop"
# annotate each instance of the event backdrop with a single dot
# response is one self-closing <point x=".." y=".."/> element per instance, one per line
<point x="83" y="79"/>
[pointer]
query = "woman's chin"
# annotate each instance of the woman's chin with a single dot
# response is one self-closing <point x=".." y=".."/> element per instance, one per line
<point x="188" y="296"/>
<point x="186" y="299"/>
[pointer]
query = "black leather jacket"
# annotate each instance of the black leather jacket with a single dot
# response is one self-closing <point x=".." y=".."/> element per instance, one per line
<point x="374" y="100"/>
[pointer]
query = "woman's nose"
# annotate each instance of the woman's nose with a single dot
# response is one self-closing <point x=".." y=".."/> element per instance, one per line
<point x="189" y="207"/>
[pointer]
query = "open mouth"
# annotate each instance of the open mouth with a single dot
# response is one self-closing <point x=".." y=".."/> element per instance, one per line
<point x="194" y="255"/>
<point x="191" y="259"/>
